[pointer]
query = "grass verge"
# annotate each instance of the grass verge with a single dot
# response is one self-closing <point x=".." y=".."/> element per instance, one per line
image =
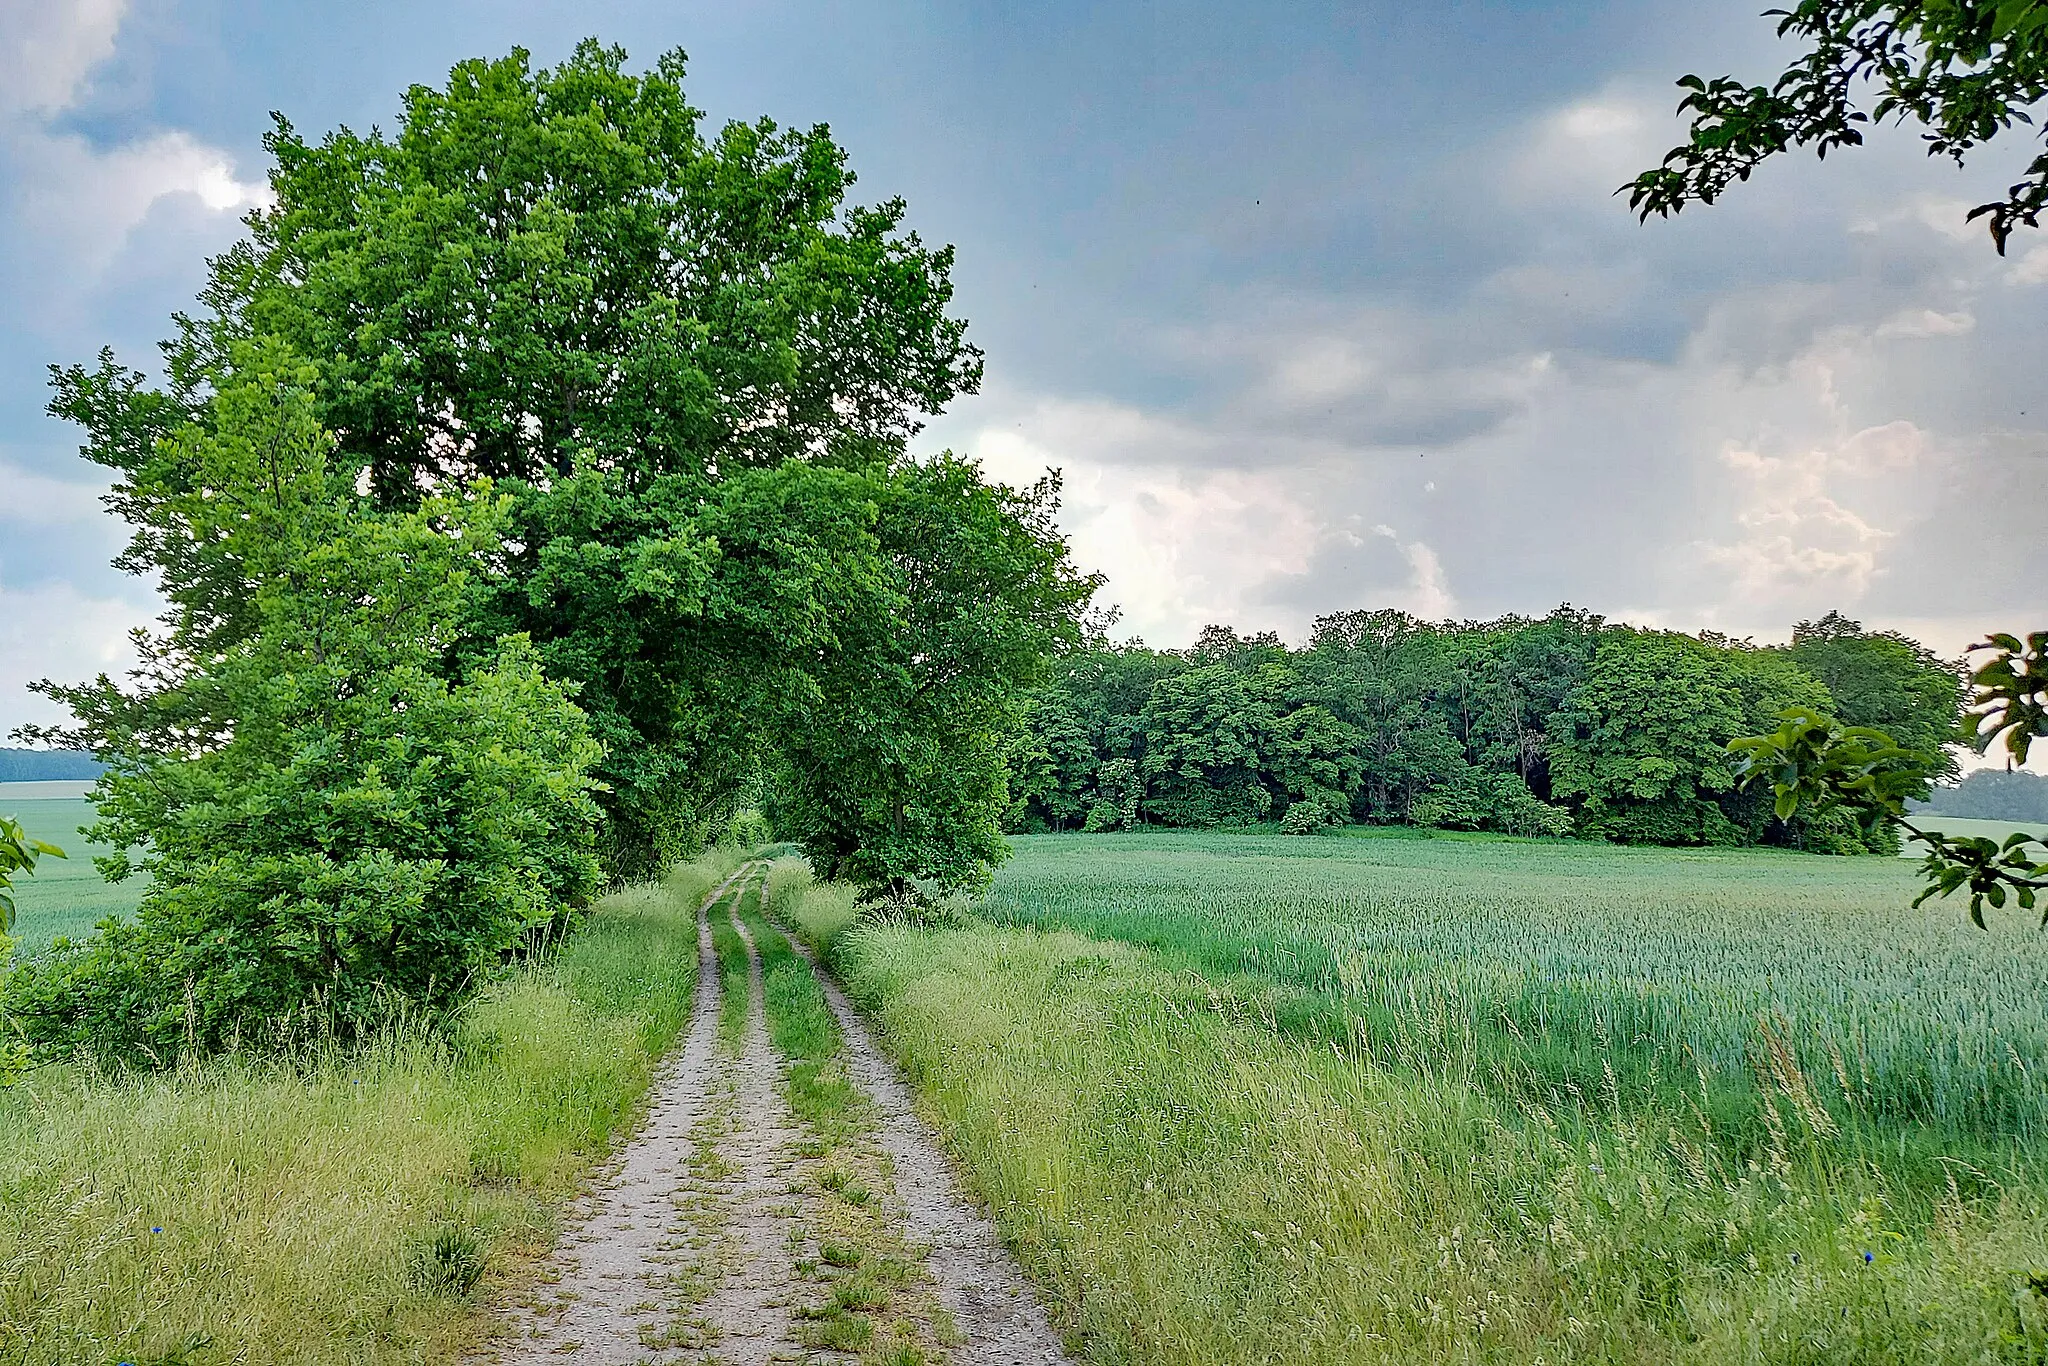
<point x="734" y="987"/>
<point x="353" y="1205"/>
<point x="1165" y="1162"/>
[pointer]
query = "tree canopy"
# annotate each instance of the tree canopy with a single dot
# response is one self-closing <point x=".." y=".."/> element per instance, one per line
<point x="1547" y="726"/>
<point x="693" y="365"/>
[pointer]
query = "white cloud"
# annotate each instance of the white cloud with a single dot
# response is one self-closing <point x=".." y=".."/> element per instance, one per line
<point x="78" y="203"/>
<point x="54" y="631"/>
<point x="49" y="47"/>
<point x="2031" y="269"/>
<point x="1577" y="154"/>
<point x="73" y="202"/>
<point x="1429" y="592"/>
<point x="30" y="499"/>
<point x="1925" y="322"/>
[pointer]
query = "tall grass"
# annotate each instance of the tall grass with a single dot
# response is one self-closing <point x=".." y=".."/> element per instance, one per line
<point x="1193" y="1186"/>
<point x="1250" y="1099"/>
<point x="348" y="1204"/>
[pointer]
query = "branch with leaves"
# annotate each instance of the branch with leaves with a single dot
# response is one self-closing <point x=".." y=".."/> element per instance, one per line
<point x="1965" y="70"/>
<point x="18" y="854"/>
<point x="1815" y="764"/>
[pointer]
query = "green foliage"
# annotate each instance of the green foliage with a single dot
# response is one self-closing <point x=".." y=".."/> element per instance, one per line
<point x="1815" y="765"/>
<point x="1305" y="818"/>
<point x="1519" y="726"/>
<point x="694" y="365"/>
<point x="1645" y="744"/>
<point x="19" y="853"/>
<point x="331" y="823"/>
<point x="2009" y="696"/>
<point x="1883" y="679"/>
<point x="893" y="765"/>
<point x="1966" y="72"/>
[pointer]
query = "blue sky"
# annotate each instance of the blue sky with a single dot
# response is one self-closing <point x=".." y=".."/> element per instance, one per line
<point x="1317" y="306"/>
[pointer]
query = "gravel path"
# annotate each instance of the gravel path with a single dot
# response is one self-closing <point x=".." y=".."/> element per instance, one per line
<point x="693" y="1247"/>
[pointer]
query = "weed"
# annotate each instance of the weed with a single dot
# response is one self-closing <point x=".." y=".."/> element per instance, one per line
<point x="449" y="1262"/>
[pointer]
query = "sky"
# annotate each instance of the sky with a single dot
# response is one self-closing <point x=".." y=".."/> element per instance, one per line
<point x="1316" y="306"/>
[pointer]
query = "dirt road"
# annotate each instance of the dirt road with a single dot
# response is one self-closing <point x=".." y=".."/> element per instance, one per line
<point x="730" y="1230"/>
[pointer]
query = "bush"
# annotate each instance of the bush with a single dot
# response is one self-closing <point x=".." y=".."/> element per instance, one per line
<point x="1479" y="799"/>
<point x="334" y="827"/>
<point x="1304" y="818"/>
<point x="1103" y="816"/>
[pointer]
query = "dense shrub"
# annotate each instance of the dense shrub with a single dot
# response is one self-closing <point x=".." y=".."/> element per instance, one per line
<point x="1304" y="818"/>
<point x="333" y="824"/>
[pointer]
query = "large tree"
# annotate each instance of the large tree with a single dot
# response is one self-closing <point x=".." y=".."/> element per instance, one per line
<point x="558" y="278"/>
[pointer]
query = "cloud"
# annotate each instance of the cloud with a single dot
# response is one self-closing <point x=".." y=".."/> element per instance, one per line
<point x="49" y="47"/>
<point x="78" y="202"/>
<point x="73" y="201"/>
<point x="1599" y="413"/>
<point x="35" y="500"/>
<point x="56" y="631"/>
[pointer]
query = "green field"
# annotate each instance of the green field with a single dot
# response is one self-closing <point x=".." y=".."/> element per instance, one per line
<point x="1963" y="825"/>
<point x="1382" y="1097"/>
<point x="65" y="896"/>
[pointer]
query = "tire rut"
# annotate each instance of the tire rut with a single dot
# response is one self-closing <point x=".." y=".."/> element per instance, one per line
<point x="997" y="1312"/>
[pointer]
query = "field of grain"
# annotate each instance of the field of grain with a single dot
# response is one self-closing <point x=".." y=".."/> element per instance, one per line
<point x="65" y="896"/>
<point x="1964" y="825"/>
<point x="1378" y="1097"/>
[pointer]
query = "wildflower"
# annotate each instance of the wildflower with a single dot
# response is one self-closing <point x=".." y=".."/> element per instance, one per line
<point x="1869" y="1257"/>
<point x="156" y="1228"/>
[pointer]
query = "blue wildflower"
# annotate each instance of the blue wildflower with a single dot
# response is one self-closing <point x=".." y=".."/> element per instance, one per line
<point x="1869" y="1257"/>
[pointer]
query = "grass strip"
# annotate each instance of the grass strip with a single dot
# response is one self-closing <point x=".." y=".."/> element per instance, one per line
<point x="347" y="1205"/>
<point x="874" y="1295"/>
<point x="804" y="1032"/>
<point x="734" y="986"/>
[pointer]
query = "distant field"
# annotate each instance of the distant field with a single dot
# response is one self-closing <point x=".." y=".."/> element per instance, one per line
<point x="64" y="896"/>
<point x="1963" y="825"/>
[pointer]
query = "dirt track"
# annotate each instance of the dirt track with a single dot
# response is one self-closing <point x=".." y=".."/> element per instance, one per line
<point x="706" y="1239"/>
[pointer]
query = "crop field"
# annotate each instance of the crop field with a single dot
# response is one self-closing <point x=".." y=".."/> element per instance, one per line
<point x="1558" y="963"/>
<point x="1383" y="1097"/>
<point x="1964" y="825"/>
<point x="66" y="896"/>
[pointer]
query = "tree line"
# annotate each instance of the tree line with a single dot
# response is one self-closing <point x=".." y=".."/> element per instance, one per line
<point x="1561" y="725"/>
